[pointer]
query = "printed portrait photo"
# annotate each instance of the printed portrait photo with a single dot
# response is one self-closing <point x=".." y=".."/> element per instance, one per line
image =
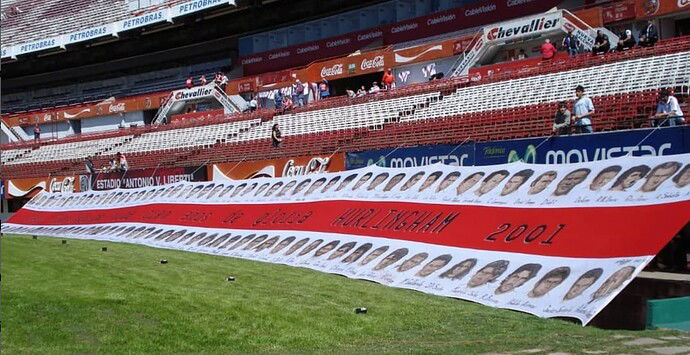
<point x="604" y="177"/>
<point x="489" y="273"/>
<point x="583" y="283"/>
<point x="571" y="180"/>
<point x="630" y="177"/>
<point x="434" y="265"/>
<point x="549" y="281"/>
<point x="518" y="278"/>
<point x="659" y="174"/>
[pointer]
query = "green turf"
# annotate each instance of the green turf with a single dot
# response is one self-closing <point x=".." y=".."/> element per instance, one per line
<point x="74" y="298"/>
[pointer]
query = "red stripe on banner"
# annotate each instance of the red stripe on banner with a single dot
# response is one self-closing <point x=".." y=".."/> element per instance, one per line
<point x="567" y="232"/>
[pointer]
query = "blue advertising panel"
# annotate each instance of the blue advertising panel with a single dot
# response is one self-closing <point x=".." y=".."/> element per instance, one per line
<point x="544" y="150"/>
<point x="588" y="147"/>
<point x="458" y="155"/>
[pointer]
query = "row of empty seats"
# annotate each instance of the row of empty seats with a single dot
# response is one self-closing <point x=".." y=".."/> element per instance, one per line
<point x="42" y="19"/>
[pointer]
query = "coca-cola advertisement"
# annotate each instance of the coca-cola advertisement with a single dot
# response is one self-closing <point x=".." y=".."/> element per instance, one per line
<point x="304" y="165"/>
<point x="141" y="178"/>
<point x="365" y="63"/>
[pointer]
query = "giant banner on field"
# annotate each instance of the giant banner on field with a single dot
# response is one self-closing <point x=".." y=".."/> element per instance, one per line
<point x="551" y="240"/>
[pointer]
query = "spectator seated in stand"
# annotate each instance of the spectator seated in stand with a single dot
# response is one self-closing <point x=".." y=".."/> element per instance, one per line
<point x="324" y="90"/>
<point x="362" y="91"/>
<point x="189" y="83"/>
<point x="668" y="112"/>
<point x="202" y="80"/>
<point x="649" y="35"/>
<point x="253" y="104"/>
<point x="287" y="103"/>
<point x="350" y="93"/>
<point x="521" y="54"/>
<point x="561" y="122"/>
<point x="374" y="88"/>
<point x="626" y="41"/>
<point x="601" y="43"/>
<point x="548" y="51"/>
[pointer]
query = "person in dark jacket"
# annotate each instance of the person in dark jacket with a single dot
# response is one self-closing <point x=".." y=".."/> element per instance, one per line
<point x="649" y="35"/>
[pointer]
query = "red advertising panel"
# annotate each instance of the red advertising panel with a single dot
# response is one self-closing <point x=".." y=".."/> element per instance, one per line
<point x="550" y="240"/>
<point x="619" y="11"/>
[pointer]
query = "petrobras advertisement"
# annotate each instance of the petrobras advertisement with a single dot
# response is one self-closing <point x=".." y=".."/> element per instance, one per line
<point x="550" y="240"/>
<point x="193" y="6"/>
<point x="553" y="150"/>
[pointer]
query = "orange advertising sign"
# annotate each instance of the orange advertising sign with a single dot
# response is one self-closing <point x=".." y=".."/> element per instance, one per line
<point x="365" y="63"/>
<point x="425" y="52"/>
<point x="75" y="112"/>
<point x="29" y="187"/>
<point x="303" y="165"/>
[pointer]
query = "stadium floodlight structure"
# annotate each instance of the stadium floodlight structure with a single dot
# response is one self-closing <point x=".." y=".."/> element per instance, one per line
<point x="491" y="37"/>
<point x="179" y="99"/>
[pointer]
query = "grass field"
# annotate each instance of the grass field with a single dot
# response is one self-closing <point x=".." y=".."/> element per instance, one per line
<point x="74" y="298"/>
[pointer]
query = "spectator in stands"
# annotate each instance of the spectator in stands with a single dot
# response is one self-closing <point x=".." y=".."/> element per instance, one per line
<point x="278" y="99"/>
<point x="561" y="122"/>
<point x="583" y="109"/>
<point x="37" y="132"/>
<point x="548" y="51"/>
<point x="112" y="167"/>
<point x="362" y="91"/>
<point x="601" y="43"/>
<point x="121" y="162"/>
<point x="202" y="80"/>
<point x="388" y="80"/>
<point x="189" y="83"/>
<point x="287" y="103"/>
<point x="88" y="164"/>
<point x="276" y="136"/>
<point x="626" y="41"/>
<point x="298" y="93"/>
<point x="571" y="44"/>
<point x="521" y="54"/>
<point x="668" y="112"/>
<point x="223" y="81"/>
<point x="375" y="88"/>
<point x="350" y="93"/>
<point x="218" y="78"/>
<point x="649" y="35"/>
<point x="253" y="104"/>
<point x="324" y="90"/>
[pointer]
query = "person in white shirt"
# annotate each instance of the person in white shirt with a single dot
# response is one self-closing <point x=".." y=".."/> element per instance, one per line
<point x="374" y="88"/>
<point x="668" y="112"/>
<point x="582" y="111"/>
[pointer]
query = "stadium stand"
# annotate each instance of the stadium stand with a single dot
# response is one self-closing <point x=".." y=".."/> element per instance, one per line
<point x="437" y="112"/>
<point x="39" y="19"/>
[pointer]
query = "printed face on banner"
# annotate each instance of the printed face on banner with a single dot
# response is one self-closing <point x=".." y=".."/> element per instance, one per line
<point x="516" y="236"/>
